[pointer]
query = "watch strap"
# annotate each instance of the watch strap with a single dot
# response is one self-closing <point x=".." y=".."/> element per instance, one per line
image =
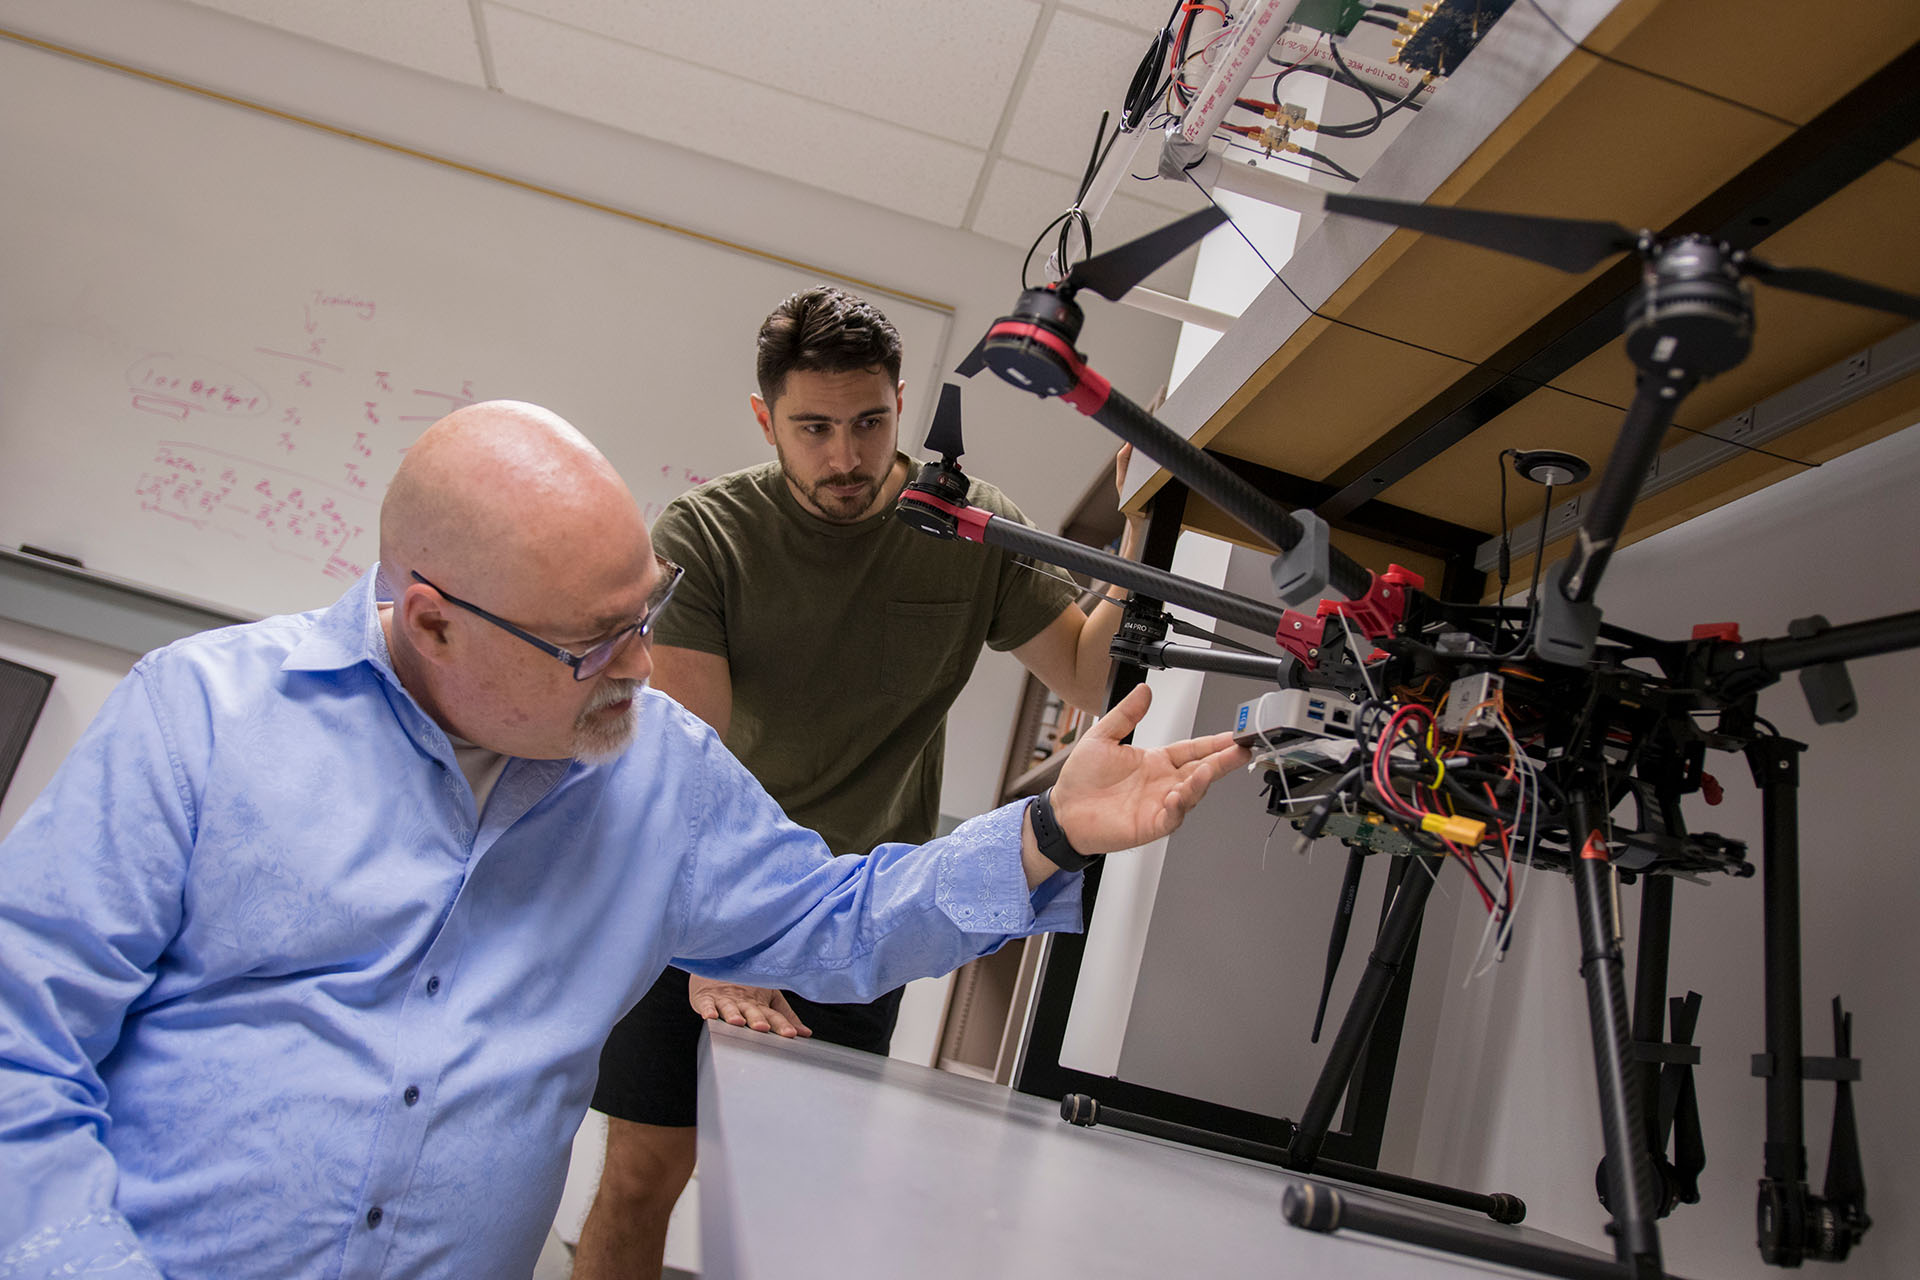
<point x="1052" y="840"/>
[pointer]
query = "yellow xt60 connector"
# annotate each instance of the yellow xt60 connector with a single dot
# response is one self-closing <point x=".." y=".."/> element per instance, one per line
<point x="1467" y="831"/>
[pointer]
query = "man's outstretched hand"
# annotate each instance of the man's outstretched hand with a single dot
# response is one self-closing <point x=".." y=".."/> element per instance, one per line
<point x="1114" y="796"/>
<point x="757" y="1007"/>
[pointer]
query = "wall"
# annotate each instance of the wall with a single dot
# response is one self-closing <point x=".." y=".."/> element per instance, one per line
<point x="1510" y="1103"/>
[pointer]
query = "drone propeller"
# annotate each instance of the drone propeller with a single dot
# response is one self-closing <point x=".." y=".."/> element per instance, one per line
<point x="975" y="360"/>
<point x="1571" y="244"/>
<point x="1119" y="269"/>
<point x="943" y="437"/>
<point x="1575" y="244"/>
<point x="1831" y="284"/>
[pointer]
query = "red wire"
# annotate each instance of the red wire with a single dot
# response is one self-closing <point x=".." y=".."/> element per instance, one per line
<point x="1381" y="780"/>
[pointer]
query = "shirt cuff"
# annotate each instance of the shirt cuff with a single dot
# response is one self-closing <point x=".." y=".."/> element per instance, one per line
<point x="95" y="1243"/>
<point x="983" y="885"/>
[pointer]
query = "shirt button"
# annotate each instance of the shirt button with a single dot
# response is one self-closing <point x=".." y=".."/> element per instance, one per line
<point x="411" y="1096"/>
<point x="373" y="1217"/>
<point x="433" y="985"/>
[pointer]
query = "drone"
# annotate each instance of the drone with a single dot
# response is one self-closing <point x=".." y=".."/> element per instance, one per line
<point x="1495" y="735"/>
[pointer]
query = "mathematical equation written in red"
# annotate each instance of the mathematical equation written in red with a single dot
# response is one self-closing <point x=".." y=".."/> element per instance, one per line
<point x="294" y="441"/>
<point x="222" y="493"/>
<point x="177" y="387"/>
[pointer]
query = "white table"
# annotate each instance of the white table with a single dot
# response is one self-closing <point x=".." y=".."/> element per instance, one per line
<point x="818" y="1161"/>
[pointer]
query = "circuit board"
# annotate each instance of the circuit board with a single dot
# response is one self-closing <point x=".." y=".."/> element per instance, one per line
<point x="1448" y="34"/>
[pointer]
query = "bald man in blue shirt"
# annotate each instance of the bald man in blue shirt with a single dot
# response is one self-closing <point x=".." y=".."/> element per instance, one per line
<point x="308" y="951"/>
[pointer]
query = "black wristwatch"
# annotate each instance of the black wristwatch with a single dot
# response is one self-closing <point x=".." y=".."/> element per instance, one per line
<point x="1052" y="840"/>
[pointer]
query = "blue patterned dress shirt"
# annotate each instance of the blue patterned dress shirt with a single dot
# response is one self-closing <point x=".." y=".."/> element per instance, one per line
<point x="276" y="1001"/>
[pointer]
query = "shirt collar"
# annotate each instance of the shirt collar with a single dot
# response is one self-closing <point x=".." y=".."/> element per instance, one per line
<point x="347" y="633"/>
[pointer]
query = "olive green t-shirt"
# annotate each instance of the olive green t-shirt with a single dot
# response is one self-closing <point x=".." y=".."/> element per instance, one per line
<point x="847" y="643"/>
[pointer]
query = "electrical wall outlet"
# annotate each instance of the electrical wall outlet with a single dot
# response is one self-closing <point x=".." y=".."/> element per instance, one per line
<point x="1856" y="367"/>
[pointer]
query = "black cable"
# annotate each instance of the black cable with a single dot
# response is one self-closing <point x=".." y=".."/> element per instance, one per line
<point x="1506" y="540"/>
<point x="1533" y="587"/>
<point x="1394" y="9"/>
<point x="1201" y="633"/>
<point x="1379" y="111"/>
<point x="1087" y="230"/>
<point x="1388" y="23"/>
<point x="1362" y="128"/>
<point x="1243" y="235"/>
<point x="1506" y="550"/>
<point x="1339" y="171"/>
<point x="1334" y="76"/>
<point x="1097" y="156"/>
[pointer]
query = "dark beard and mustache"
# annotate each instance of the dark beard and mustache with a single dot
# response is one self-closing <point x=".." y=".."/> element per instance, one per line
<point x="844" y="508"/>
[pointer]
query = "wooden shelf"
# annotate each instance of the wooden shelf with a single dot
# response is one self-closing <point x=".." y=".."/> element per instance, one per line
<point x="1036" y="779"/>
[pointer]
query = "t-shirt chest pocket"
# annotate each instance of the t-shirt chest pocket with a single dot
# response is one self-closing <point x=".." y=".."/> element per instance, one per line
<point x="923" y="647"/>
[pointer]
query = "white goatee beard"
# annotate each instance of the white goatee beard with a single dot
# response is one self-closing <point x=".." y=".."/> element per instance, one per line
<point x="601" y="742"/>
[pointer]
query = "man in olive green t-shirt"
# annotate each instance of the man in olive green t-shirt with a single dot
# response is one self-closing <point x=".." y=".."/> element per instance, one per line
<point x="825" y="641"/>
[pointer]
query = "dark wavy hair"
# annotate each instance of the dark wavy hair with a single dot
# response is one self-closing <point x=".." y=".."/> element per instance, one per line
<point x="824" y="330"/>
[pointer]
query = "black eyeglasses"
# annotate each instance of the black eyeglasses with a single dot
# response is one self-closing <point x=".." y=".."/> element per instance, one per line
<point x="595" y="660"/>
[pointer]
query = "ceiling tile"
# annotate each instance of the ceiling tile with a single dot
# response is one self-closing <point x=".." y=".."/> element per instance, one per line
<point x="1084" y="68"/>
<point x="435" y="36"/>
<point x="1142" y="15"/>
<point x="945" y="70"/>
<point x="737" y="120"/>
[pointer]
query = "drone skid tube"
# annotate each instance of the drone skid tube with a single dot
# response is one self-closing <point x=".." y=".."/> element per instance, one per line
<point x="1186" y="657"/>
<point x="1316" y="1207"/>
<point x="975" y="524"/>
<point x="1086" y="1112"/>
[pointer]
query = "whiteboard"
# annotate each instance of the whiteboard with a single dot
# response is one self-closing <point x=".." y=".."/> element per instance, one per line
<point x="220" y="330"/>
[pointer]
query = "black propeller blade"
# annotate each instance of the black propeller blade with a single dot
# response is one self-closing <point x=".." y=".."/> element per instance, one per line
<point x="943" y="437"/>
<point x="975" y="360"/>
<point x="1112" y="273"/>
<point x="1570" y="244"/>
<point x="1831" y="284"/>
<point x="1337" y="942"/>
<point x="1574" y="244"/>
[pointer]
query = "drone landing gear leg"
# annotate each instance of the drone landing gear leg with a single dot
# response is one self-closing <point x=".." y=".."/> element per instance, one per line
<point x="1383" y="965"/>
<point x="1628" y="1168"/>
<point x="1794" y="1224"/>
<point x="1664" y="1066"/>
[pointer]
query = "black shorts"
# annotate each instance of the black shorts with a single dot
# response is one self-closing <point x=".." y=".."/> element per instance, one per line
<point x="649" y="1066"/>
